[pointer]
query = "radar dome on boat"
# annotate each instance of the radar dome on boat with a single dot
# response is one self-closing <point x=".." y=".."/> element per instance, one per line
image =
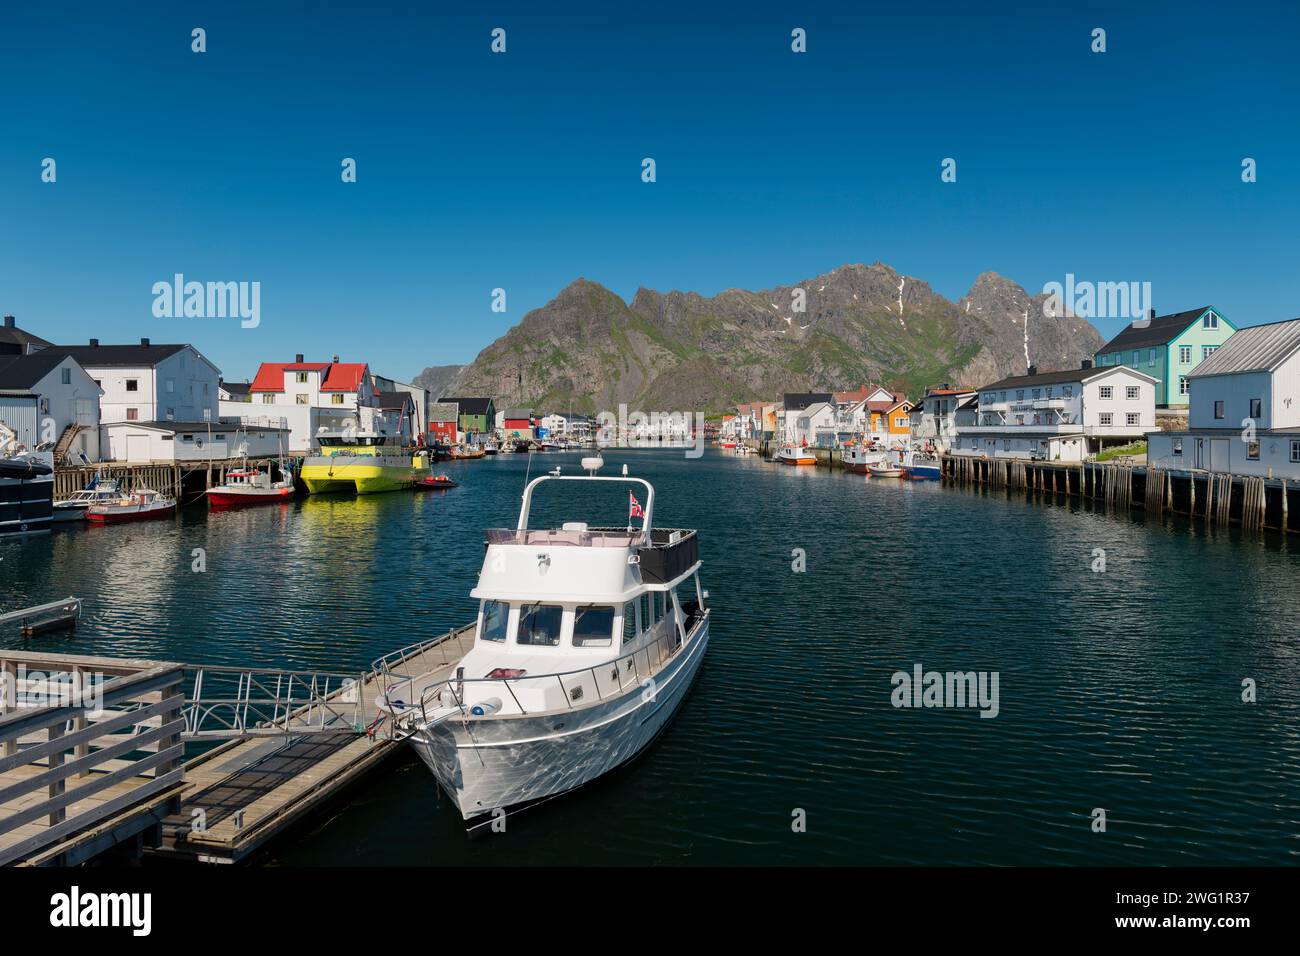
<point x="594" y="463"/>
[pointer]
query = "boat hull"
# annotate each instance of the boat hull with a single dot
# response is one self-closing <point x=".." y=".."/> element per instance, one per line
<point x="362" y="479"/>
<point x="227" y="498"/>
<point x="499" y="763"/>
<point x="923" y="472"/>
<point x="124" y="515"/>
<point x="26" y="504"/>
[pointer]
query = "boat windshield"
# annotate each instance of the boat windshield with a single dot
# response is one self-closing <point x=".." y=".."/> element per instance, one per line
<point x="496" y="616"/>
<point x="539" y="625"/>
<point x="593" y="626"/>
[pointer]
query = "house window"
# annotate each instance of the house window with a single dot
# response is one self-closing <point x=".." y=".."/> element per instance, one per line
<point x="1208" y="350"/>
<point x="205" y="389"/>
<point x="1211" y="321"/>
<point x="1218" y="409"/>
<point x="132" y="385"/>
<point x="1105" y="418"/>
<point x="1295" y="450"/>
<point x="1006" y="444"/>
<point x="171" y="385"/>
<point x="1256" y="408"/>
<point x="1131" y="392"/>
<point x="336" y="398"/>
<point x="65" y="375"/>
<point x="900" y="422"/>
<point x="300" y="378"/>
<point x="1130" y="418"/>
<point x="1020" y="395"/>
<point x="1036" y="391"/>
<point x="1048" y="392"/>
<point x="1252" y="450"/>
<point x="187" y="438"/>
<point x="1106" y="391"/>
<point x="1068" y="390"/>
<point x="171" y="414"/>
<point x="1183" y="387"/>
<point x="1137" y="357"/>
<point x="1184" y="354"/>
<point x="268" y="398"/>
<point x="302" y="399"/>
<point x="1151" y="357"/>
<point x="133" y="414"/>
<point x="1178" y="446"/>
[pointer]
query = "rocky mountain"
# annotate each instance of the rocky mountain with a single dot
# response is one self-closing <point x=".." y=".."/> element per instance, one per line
<point x="437" y="379"/>
<point x="589" y="350"/>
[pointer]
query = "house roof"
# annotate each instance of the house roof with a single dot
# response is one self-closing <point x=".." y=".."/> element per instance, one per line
<point x="338" y="377"/>
<point x="1068" y="375"/>
<point x="470" y="406"/>
<point x="235" y="388"/>
<point x="124" y="356"/>
<point x="798" y="401"/>
<point x="1257" y="348"/>
<point x="1161" y="330"/>
<point x="942" y="392"/>
<point x="395" y="400"/>
<point x="972" y="402"/>
<point x="517" y="414"/>
<point x="21" y="372"/>
<point x="856" y="395"/>
<point x="12" y="335"/>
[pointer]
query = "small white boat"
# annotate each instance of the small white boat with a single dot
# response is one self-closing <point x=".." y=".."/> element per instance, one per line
<point x="75" y="506"/>
<point x="884" y="470"/>
<point x="586" y="643"/>
<point x="794" y="455"/>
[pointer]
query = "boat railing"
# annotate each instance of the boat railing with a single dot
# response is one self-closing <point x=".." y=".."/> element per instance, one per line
<point x="606" y="679"/>
<point x="397" y="670"/>
<point x="241" y="702"/>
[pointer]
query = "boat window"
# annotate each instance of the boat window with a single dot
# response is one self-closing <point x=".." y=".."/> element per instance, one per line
<point x="539" y="625"/>
<point x="496" y="615"/>
<point x="629" y="623"/>
<point x="658" y="606"/>
<point x="645" y="612"/>
<point x="593" y="626"/>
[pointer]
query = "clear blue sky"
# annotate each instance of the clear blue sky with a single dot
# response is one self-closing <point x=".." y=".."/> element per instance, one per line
<point x="523" y="170"/>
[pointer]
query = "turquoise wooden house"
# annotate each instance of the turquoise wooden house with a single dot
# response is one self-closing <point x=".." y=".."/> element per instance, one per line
<point x="1169" y="347"/>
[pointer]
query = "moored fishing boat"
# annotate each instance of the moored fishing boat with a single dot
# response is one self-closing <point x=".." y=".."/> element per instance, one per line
<point x="794" y="455"/>
<point x="142" y="504"/>
<point x="74" y="507"/>
<point x="920" y="466"/>
<point x="364" y="463"/>
<point x="250" y="486"/>
<point x="859" y="458"/>
<point x="586" y="643"/>
<point x="884" y="470"/>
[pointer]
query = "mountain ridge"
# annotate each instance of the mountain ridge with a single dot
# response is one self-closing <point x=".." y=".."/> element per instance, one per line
<point x="588" y="349"/>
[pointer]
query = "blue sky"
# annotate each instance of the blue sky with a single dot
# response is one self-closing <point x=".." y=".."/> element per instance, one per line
<point x="522" y="170"/>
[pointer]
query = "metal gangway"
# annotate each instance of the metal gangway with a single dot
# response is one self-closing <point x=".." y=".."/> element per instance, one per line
<point x="232" y="702"/>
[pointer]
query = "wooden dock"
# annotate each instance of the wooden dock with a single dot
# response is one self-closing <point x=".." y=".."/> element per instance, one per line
<point x="74" y="783"/>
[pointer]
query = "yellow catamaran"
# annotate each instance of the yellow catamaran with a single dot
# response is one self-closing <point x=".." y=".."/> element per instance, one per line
<point x="364" y="463"/>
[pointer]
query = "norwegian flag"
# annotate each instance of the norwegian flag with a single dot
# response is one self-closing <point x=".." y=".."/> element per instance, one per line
<point x="634" y="507"/>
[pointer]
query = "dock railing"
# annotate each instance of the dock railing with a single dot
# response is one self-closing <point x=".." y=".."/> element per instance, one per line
<point x="82" y="740"/>
<point x="240" y="702"/>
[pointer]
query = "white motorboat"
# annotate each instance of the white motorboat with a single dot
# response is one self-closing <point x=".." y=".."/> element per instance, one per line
<point x="142" y="504"/>
<point x="794" y="455"/>
<point x="75" y="506"/>
<point x="586" y="643"/>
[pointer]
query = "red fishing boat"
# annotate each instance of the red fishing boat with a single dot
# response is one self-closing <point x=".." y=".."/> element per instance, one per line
<point x="140" y="505"/>
<point x="249" y="486"/>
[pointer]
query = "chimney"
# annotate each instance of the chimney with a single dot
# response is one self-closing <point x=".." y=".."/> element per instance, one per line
<point x="1085" y="364"/>
<point x="9" y="321"/>
<point x="94" y="343"/>
<point x="144" y="341"/>
<point x="298" y="358"/>
<point x="336" y="360"/>
<point x="1033" y="370"/>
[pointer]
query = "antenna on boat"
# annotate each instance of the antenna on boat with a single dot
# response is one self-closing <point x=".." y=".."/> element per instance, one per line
<point x="593" y="464"/>
<point x="624" y="469"/>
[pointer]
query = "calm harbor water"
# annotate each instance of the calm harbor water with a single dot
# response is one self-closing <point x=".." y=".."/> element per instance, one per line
<point x="1119" y="690"/>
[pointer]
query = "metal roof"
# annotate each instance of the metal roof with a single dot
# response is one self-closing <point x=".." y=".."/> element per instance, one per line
<point x="1257" y="348"/>
<point x="1160" y="330"/>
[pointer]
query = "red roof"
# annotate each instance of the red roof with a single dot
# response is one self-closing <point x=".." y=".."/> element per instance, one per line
<point x="339" y="376"/>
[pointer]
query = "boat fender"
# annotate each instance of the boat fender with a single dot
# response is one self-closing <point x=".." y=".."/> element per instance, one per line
<point x="486" y="708"/>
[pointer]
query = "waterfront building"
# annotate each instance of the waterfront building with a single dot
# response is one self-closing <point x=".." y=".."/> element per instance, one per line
<point x="934" y="419"/>
<point x="1059" y="416"/>
<point x="46" y="396"/>
<point x="147" y="382"/>
<point x="234" y="392"/>
<point x="888" y="420"/>
<point x="1244" y="416"/>
<point x="816" y="425"/>
<point x="421" y="399"/>
<point x="517" y="424"/>
<point x="793" y="404"/>
<point x="401" y="405"/>
<point x="166" y="443"/>
<point x="477" y="415"/>
<point x="14" y="341"/>
<point x="310" y="397"/>
<point x="444" y="423"/>
<point x="1169" y="348"/>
